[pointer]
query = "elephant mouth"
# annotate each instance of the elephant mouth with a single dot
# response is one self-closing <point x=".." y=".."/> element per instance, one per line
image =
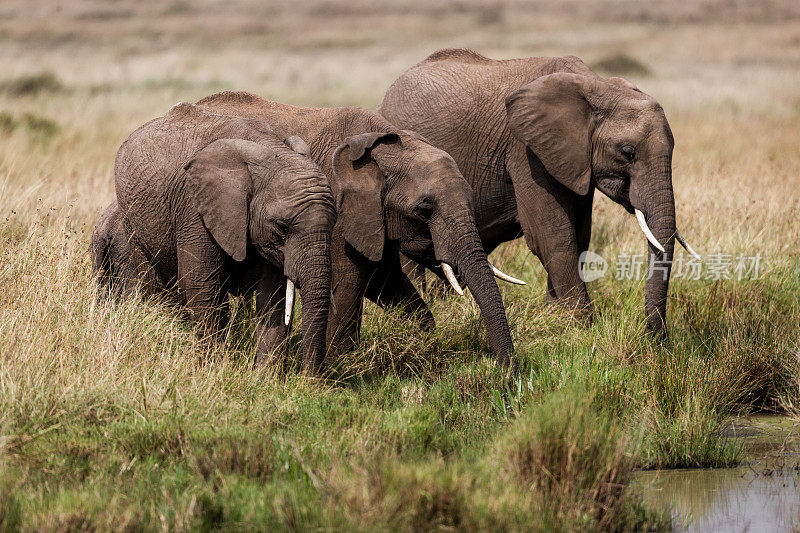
<point x="437" y="268"/>
<point x="271" y="254"/>
<point x="616" y="187"/>
<point x="419" y="253"/>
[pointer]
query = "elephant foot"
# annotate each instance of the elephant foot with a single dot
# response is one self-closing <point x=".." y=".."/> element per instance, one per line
<point x="269" y="359"/>
<point x="511" y="365"/>
<point x="581" y="311"/>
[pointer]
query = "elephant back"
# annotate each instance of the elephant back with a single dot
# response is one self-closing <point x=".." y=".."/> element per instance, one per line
<point x="149" y="170"/>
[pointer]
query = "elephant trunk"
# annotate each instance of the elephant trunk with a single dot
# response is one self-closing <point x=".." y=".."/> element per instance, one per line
<point x="472" y="263"/>
<point x="310" y="269"/>
<point x="659" y="214"/>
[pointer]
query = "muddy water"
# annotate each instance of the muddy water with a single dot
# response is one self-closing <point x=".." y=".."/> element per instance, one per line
<point x="762" y="496"/>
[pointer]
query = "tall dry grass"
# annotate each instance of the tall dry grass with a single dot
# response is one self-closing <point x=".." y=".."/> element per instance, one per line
<point x="113" y="414"/>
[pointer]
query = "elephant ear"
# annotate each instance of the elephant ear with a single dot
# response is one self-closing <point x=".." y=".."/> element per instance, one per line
<point x="298" y="145"/>
<point x="359" y="190"/>
<point x="553" y="117"/>
<point x="221" y="182"/>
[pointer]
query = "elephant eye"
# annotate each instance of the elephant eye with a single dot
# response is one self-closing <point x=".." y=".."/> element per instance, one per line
<point x="283" y="226"/>
<point x="628" y="151"/>
<point x="424" y="209"/>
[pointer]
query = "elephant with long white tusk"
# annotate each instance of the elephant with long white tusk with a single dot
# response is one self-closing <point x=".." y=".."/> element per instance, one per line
<point x="543" y="134"/>
<point x="395" y="193"/>
<point x="247" y="212"/>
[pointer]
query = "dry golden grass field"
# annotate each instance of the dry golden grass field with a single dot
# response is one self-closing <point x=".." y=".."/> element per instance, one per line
<point x="114" y="415"/>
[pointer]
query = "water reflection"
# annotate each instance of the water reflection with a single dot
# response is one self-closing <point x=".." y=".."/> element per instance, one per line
<point x="763" y="496"/>
<point x="737" y="499"/>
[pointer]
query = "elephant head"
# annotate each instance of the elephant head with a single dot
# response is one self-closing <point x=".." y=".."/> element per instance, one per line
<point x="394" y="187"/>
<point x="605" y="133"/>
<point x="271" y="201"/>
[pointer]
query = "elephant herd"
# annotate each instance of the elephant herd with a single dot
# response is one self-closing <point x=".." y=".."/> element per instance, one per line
<point x="239" y="195"/>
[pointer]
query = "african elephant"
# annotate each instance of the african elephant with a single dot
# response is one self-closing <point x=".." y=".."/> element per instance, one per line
<point x="534" y="137"/>
<point x="118" y="265"/>
<point x="393" y="191"/>
<point x="213" y="205"/>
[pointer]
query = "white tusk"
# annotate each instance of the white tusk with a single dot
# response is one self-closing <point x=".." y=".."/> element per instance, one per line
<point x="685" y="244"/>
<point x="505" y="277"/>
<point x="647" y="232"/>
<point x="287" y="314"/>
<point x="451" y="277"/>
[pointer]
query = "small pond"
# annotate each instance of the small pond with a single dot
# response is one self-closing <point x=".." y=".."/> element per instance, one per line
<point x="761" y="496"/>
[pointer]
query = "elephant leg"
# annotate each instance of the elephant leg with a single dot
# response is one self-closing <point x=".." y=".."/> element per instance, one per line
<point x="550" y="296"/>
<point x="271" y="330"/>
<point x="200" y="277"/>
<point x="570" y="290"/>
<point x="414" y="272"/>
<point x="136" y="274"/>
<point x="546" y="210"/>
<point x="120" y="264"/>
<point x="348" y="285"/>
<point x="405" y="295"/>
<point x="583" y="220"/>
<point x="583" y="230"/>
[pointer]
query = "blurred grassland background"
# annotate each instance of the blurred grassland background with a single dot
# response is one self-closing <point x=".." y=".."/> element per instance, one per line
<point x="114" y="415"/>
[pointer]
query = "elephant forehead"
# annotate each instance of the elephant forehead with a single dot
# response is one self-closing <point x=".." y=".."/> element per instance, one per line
<point x="432" y="159"/>
<point x="290" y="161"/>
<point x="298" y="186"/>
<point x="445" y="188"/>
<point x="313" y="206"/>
<point x="641" y="109"/>
<point x="638" y="118"/>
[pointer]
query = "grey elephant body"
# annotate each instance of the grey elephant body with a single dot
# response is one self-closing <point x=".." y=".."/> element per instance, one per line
<point x="211" y="205"/>
<point x="120" y="266"/>
<point x="534" y="137"/>
<point x="395" y="193"/>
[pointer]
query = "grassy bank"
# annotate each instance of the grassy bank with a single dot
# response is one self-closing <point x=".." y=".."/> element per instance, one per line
<point x="115" y="415"/>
